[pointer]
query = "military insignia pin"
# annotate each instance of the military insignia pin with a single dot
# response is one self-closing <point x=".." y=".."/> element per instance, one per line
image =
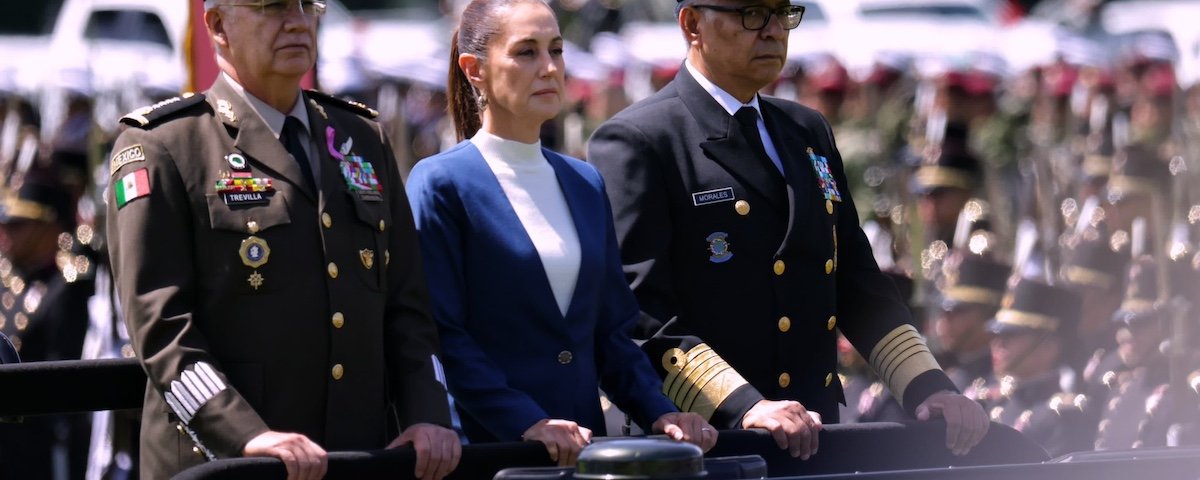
<point x="226" y="110"/>
<point x="255" y="280"/>
<point x="368" y="257"/>
<point x="718" y="247"/>
<point x="237" y="162"/>
<point x="254" y="252"/>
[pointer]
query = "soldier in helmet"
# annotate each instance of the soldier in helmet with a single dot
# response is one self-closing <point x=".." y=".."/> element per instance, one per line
<point x="947" y="178"/>
<point x="1136" y="369"/>
<point x="1093" y="266"/>
<point x="43" y="311"/>
<point x="1031" y="332"/>
<point x="974" y="287"/>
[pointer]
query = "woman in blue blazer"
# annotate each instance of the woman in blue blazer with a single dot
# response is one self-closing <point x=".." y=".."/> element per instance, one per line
<point x="520" y="253"/>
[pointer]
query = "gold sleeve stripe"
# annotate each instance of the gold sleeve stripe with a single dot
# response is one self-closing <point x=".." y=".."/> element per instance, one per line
<point x="900" y="357"/>
<point x="973" y="295"/>
<point x="688" y="395"/>
<point x="713" y="391"/>
<point x="699" y="380"/>
<point x="696" y="365"/>
<point x="672" y="382"/>
<point x="1026" y="319"/>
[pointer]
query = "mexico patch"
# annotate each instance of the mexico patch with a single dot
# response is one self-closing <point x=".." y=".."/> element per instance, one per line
<point x="128" y="155"/>
<point x="132" y="186"/>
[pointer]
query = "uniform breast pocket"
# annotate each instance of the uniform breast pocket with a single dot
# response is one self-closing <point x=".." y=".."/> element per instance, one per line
<point x="370" y="243"/>
<point x="245" y="243"/>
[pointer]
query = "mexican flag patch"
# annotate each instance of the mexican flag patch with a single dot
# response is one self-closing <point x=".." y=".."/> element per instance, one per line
<point x="132" y="186"/>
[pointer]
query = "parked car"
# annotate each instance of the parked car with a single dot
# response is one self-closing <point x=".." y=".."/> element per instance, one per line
<point x="122" y="52"/>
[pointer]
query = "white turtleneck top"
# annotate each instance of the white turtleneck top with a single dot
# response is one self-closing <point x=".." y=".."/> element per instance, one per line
<point x="529" y="182"/>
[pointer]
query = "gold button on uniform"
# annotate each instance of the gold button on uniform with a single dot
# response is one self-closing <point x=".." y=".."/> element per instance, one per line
<point x="779" y="267"/>
<point x="828" y="379"/>
<point x="326" y="220"/>
<point x="332" y="270"/>
<point x="829" y="206"/>
<point x="565" y="357"/>
<point x="831" y="323"/>
<point x="785" y="380"/>
<point x="742" y="207"/>
<point x="785" y="324"/>
<point x="382" y="225"/>
<point x="338" y="320"/>
<point x="196" y="450"/>
<point x="337" y="372"/>
<point x="829" y="266"/>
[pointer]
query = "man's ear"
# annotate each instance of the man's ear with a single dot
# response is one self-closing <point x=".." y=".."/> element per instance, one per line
<point x="472" y="67"/>
<point x="216" y="26"/>
<point x="689" y="23"/>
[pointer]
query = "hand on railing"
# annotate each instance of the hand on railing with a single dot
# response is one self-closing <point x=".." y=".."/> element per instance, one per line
<point x="304" y="459"/>
<point x="438" y="449"/>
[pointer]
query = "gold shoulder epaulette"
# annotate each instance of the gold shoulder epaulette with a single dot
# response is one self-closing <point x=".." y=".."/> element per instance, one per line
<point x="358" y="108"/>
<point x="148" y="115"/>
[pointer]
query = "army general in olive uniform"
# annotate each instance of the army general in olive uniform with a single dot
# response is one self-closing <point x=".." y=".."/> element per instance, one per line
<point x="267" y="267"/>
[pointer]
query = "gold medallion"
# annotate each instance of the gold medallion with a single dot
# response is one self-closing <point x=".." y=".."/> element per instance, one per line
<point x="368" y="257"/>
<point x="254" y="252"/>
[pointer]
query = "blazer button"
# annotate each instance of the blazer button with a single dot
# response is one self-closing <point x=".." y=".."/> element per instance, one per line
<point x="337" y="371"/>
<point x="829" y="266"/>
<point x="565" y="357"/>
<point x="831" y="323"/>
<point x="742" y="207"/>
<point x="382" y="225"/>
<point x="338" y="320"/>
<point x="332" y="270"/>
<point x="326" y="220"/>
<point x="785" y="324"/>
<point x="829" y="206"/>
<point x="784" y="380"/>
<point x="779" y="267"/>
<point x="196" y="450"/>
<point x="828" y="379"/>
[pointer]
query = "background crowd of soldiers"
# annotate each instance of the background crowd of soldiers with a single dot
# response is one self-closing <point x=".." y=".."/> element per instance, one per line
<point x="1044" y="223"/>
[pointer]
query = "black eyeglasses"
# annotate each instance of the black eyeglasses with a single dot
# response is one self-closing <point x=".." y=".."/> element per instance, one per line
<point x="755" y="17"/>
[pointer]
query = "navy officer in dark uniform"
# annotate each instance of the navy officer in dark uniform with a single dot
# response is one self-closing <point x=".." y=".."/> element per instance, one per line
<point x="743" y="247"/>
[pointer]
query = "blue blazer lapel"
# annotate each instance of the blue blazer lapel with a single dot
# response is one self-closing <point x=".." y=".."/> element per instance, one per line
<point x="587" y="212"/>
<point x="486" y="190"/>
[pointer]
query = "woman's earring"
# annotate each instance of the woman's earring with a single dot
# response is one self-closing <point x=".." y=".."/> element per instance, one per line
<point x="481" y="101"/>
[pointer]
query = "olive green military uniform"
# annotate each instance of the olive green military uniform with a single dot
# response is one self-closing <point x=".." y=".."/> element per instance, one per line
<point x="255" y="302"/>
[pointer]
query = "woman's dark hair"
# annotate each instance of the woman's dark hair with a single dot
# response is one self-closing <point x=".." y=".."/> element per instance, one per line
<point x="479" y="22"/>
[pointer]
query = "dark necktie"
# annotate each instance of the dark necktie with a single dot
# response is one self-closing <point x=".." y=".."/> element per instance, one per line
<point x="292" y="139"/>
<point x="747" y="118"/>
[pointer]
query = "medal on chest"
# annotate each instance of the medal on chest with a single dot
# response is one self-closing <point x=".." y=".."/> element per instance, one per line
<point x="254" y="253"/>
<point x="358" y="174"/>
<point x="825" y="181"/>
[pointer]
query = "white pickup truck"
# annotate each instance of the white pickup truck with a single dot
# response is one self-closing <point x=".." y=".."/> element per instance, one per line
<point x="122" y="52"/>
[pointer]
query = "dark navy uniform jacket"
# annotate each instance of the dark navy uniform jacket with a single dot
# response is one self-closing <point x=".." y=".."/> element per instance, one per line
<point x="742" y="273"/>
